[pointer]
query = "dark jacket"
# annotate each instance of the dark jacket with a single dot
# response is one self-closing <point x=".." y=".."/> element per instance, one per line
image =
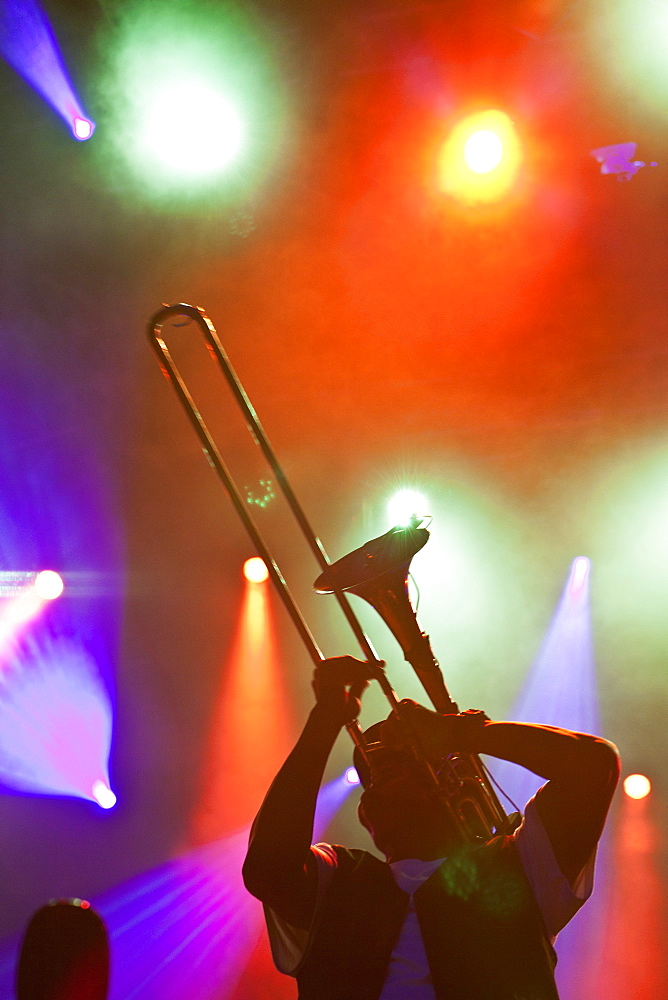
<point x="482" y="931"/>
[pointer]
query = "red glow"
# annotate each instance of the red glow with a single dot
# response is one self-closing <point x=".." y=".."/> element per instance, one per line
<point x="251" y="728"/>
<point x="632" y="965"/>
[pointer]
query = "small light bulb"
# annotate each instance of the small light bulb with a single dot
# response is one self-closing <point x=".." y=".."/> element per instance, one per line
<point x="48" y="585"/>
<point x="255" y="570"/>
<point x="637" y="786"/>
<point x="103" y="794"/>
<point x="82" y="128"/>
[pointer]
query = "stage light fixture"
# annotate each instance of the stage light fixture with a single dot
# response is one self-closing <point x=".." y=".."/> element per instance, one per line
<point x="352" y="777"/>
<point x="637" y="786"/>
<point x="255" y="570"/>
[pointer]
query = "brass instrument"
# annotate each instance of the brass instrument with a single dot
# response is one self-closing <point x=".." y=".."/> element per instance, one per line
<point x="376" y="572"/>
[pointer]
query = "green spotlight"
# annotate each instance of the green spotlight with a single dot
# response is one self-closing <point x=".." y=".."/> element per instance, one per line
<point x="190" y="129"/>
<point x="190" y="97"/>
<point x="405" y="506"/>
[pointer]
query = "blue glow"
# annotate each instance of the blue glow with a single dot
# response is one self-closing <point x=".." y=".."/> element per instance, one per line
<point x="186" y="929"/>
<point x="27" y="42"/>
<point x="617" y="160"/>
<point x="57" y="679"/>
<point x="579" y="575"/>
<point x="560" y="689"/>
<point x="330" y="799"/>
<point x="55" y="723"/>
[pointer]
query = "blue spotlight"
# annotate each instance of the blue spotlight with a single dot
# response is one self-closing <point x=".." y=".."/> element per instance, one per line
<point x="55" y="723"/>
<point x="330" y="799"/>
<point x="28" y="44"/>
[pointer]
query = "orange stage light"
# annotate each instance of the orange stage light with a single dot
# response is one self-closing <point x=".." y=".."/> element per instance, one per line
<point x="481" y="157"/>
<point x="255" y="570"/>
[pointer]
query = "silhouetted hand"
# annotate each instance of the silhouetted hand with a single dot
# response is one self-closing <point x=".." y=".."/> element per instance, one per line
<point x="338" y="684"/>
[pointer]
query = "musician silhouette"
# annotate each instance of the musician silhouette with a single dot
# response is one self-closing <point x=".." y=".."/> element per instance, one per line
<point x="64" y="955"/>
<point x="440" y="918"/>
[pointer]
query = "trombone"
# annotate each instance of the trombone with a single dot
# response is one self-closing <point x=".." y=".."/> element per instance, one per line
<point x="376" y="572"/>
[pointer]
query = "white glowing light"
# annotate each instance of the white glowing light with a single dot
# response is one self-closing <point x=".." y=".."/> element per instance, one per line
<point x="48" y="585"/>
<point x="483" y="151"/>
<point x="255" y="570"/>
<point x="406" y="505"/>
<point x="192" y="129"/>
<point x="352" y="777"/>
<point x="579" y="574"/>
<point x="103" y="795"/>
<point x="82" y="129"/>
<point x="637" y="786"/>
<point x="21" y="609"/>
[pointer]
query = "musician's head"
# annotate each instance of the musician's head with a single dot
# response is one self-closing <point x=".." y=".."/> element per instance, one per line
<point x="401" y="806"/>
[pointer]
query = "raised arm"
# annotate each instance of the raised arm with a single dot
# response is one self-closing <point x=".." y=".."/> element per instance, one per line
<point x="581" y="771"/>
<point x="277" y="868"/>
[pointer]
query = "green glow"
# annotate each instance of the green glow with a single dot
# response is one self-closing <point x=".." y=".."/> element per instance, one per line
<point x="189" y="129"/>
<point x="190" y="99"/>
<point x="633" y="516"/>
<point x="631" y="41"/>
<point x="405" y="505"/>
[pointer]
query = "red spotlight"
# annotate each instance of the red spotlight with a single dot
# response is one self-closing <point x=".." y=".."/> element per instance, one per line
<point x="480" y="158"/>
<point x="255" y="570"/>
<point x="637" y="786"/>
